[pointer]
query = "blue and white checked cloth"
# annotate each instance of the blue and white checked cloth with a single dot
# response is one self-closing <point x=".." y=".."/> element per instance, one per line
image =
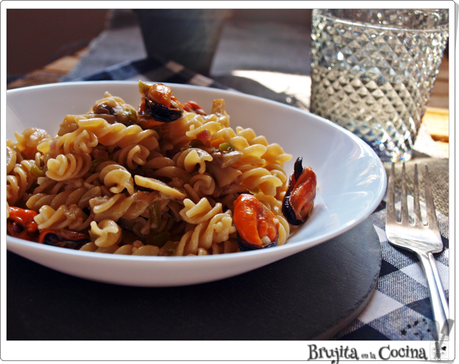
<point x="400" y="307"/>
<point x="153" y="69"/>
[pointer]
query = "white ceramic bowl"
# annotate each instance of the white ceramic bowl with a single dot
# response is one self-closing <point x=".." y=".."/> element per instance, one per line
<point x="351" y="180"/>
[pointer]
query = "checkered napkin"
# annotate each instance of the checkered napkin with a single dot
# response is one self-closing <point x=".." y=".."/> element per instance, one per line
<point x="400" y="308"/>
<point x="154" y="69"/>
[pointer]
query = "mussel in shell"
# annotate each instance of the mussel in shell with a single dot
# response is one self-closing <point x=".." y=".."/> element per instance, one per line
<point x="299" y="198"/>
<point x="63" y="238"/>
<point x="158" y="105"/>
<point x="160" y="112"/>
<point x="257" y="226"/>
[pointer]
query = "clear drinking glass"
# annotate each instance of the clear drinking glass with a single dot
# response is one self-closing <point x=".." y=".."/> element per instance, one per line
<point x="373" y="70"/>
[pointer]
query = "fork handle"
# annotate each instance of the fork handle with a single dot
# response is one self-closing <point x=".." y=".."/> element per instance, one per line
<point x="441" y="291"/>
<point x="437" y="295"/>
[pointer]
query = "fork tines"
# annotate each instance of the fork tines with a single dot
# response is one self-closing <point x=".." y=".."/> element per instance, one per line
<point x="431" y="217"/>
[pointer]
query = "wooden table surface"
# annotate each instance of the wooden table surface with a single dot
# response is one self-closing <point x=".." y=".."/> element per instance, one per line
<point x="435" y="119"/>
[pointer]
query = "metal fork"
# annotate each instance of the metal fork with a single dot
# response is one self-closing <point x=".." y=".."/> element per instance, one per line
<point x="424" y="240"/>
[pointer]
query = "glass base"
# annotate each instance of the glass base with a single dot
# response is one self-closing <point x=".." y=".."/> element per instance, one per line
<point x="393" y="156"/>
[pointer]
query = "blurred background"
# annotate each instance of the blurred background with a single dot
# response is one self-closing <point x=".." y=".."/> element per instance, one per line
<point x="36" y="37"/>
<point x="258" y="51"/>
<point x="264" y="52"/>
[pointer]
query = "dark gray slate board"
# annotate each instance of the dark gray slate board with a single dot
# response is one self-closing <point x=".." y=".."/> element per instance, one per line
<point x="310" y="295"/>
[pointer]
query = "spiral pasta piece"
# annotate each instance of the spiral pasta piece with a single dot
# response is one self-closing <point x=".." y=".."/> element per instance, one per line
<point x="192" y="157"/>
<point x="50" y="186"/>
<point x="284" y="230"/>
<point x="46" y="184"/>
<point x="121" y="206"/>
<point x="105" y="233"/>
<point x="68" y="166"/>
<point x="253" y="155"/>
<point x="197" y="213"/>
<point x="65" y="217"/>
<point x="212" y="127"/>
<point x="222" y="135"/>
<point x="29" y="139"/>
<point x="136" y="248"/>
<point x="118" y="134"/>
<point x="79" y="141"/>
<point x="275" y="155"/>
<point x="19" y="181"/>
<point x="131" y="156"/>
<point x="115" y="177"/>
<point x="172" y="172"/>
<point x="36" y="201"/>
<point x="155" y="162"/>
<point x="250" y="135"/>
<point x="215" y="230"/>
<point x="69" y="196"/>
<point x="11" y="158"/>
<point x="200" y="185"/>
<point x="261" y="178"/>
<point x="88" y="127"/>
<point x="278" y="171"/>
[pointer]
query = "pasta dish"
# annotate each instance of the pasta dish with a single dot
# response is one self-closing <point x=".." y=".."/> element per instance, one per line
<point x="166" y="178"/>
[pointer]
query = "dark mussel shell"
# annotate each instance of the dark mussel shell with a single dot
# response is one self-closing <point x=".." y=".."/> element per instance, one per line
<point x="295" y="211"/>
<point x="63" y="238"/>
<point x="289" y="213"/>
<point x="161" y="112"/>
<point x="248" y="226"/>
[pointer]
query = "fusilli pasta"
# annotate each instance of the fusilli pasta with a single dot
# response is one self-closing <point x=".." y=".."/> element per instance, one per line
<point x="138" y="186"/>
